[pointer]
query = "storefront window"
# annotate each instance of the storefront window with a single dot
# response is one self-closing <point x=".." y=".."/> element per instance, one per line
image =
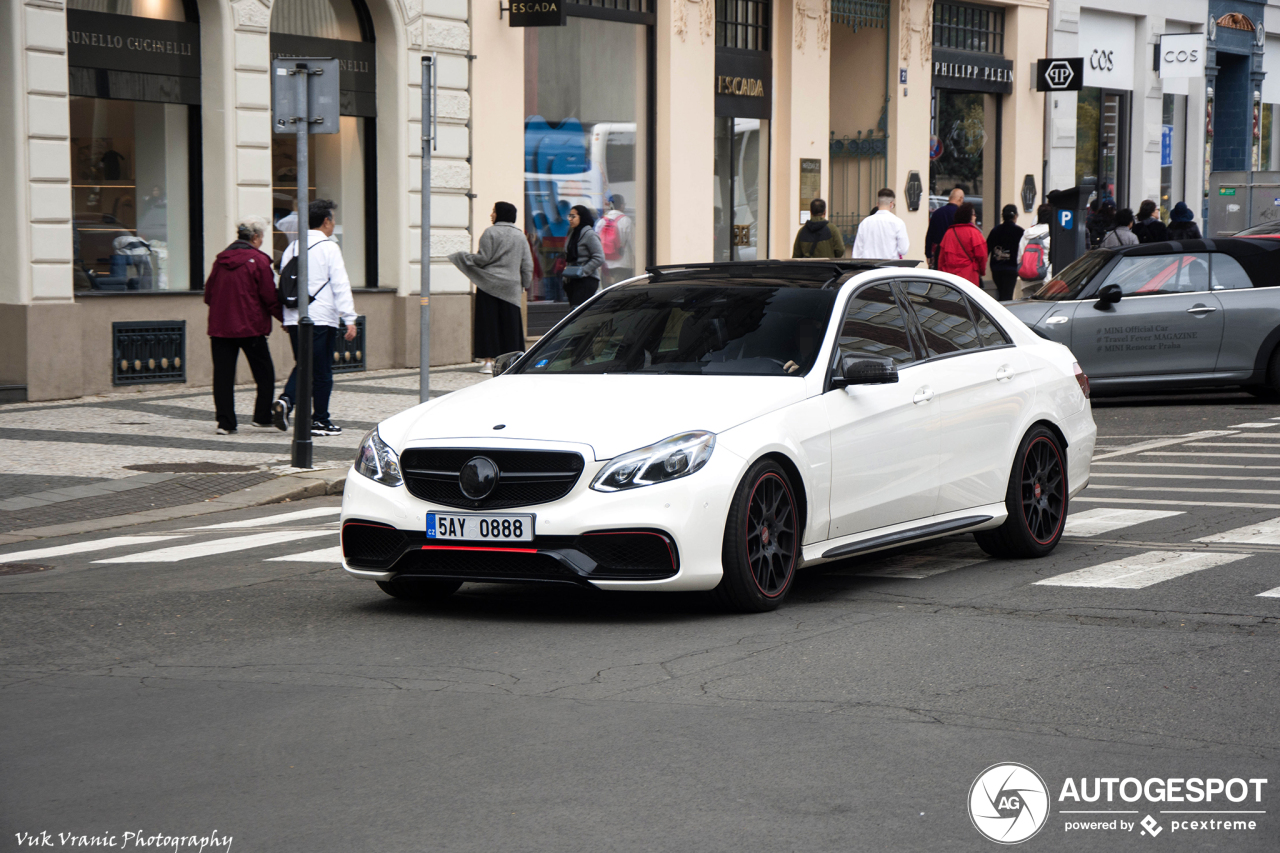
<point x="134" y="121"/>
<point x="964" y="125"/>
<point x="1270" y="142"/>
<point x="339" y="165"/>
<point x="1101" y="119"/>
<point x="129" y="192"/>
<point x="585" y="140"/>
<point x="741" y="188"/>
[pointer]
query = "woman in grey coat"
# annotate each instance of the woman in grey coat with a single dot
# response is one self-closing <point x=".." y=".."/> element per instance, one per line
<point x="500" y="271"/>
<point x="584" y="256"/>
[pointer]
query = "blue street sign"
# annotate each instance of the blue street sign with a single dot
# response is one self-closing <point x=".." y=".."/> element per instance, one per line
<point x="1166" y="145"/>
<point x="1067" y="219"/>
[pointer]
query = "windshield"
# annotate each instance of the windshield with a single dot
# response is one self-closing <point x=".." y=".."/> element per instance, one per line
<point x="690" y="328"/>
<point x="1072" y="281"/>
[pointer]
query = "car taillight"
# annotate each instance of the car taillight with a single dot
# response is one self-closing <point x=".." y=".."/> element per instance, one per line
<point x="1081" y="379"/>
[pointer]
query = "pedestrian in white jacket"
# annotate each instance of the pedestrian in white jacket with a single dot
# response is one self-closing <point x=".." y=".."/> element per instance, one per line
<point x="882" y="235"/>
<point x="1044" y="214"/>
<point x="329" y="303"/>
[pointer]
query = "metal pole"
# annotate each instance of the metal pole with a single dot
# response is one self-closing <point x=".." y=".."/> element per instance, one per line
<point x="302" y="406"/>
<point x="428" y="144"/>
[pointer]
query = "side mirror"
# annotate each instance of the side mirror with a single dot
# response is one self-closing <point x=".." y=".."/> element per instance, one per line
<point x="865" y="370"/>
<point x="504" y="362"/>
<point x="1109" y="295"/>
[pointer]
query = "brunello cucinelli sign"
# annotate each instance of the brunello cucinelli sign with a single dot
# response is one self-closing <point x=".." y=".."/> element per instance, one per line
<point x="744" y="83"/>
<point x="128" y="43"/>
<point x="968" y="71"/>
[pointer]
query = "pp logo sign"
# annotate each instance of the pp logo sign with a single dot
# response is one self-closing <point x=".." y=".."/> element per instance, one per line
<point x="1059" y="75"/>
<point x="1008" y="803"/>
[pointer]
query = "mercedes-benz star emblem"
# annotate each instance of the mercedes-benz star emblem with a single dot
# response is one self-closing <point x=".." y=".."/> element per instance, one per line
<point x="478" y="477"/>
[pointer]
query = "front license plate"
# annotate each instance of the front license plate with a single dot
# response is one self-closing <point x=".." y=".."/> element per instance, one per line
<point x="483" y="528"/>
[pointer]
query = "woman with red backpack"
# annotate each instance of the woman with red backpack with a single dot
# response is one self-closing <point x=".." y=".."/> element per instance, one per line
<point x="963" y="251"/>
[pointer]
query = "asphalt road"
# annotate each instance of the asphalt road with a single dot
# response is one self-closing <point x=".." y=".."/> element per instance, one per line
<point x="174" y="690"/>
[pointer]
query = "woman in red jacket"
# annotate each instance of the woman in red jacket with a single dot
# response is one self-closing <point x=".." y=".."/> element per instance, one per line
<point x="963" y="251"/>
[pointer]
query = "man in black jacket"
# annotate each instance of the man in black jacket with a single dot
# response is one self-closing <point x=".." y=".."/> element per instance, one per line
<point x="939" y="223"/>
<point x="816" y="238"/>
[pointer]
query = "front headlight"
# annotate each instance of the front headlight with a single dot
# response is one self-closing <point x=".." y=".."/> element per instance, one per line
<point x="377" y="461"/>
<point x="669" y="459"/>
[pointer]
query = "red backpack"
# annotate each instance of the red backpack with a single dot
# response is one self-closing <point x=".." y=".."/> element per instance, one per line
<point x="1034" y="265"/>
<point x="610" y="239"/>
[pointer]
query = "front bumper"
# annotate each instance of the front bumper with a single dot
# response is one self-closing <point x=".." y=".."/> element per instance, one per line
<point x="573" y="535"/>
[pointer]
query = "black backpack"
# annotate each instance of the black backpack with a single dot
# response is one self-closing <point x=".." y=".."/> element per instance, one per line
<point x="287" y="289"/>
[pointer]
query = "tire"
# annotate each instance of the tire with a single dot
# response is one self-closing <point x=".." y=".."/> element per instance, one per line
<point x="761" y="547"/>
<point x="1271" y="389"/>
<point x="1036" y="500"/>
<point x="422" y="590"/>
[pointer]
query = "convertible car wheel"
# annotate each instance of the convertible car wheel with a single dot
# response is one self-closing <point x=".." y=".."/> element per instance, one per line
<point x="1036" y="500"/>
<point x="761" y="542"/>
<point x="424" y="590"/>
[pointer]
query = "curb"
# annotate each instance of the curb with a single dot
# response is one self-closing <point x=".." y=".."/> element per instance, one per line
<point x="289" y="487"/>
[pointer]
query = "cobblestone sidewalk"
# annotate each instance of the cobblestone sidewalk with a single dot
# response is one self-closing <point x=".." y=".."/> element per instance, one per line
<point x="112" y="454"/>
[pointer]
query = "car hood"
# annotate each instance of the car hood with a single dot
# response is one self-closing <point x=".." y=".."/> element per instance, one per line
<point x="612" y="414"/>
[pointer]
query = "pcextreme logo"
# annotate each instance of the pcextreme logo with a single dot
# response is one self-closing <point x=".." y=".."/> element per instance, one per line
<point x="1009" y="803"/>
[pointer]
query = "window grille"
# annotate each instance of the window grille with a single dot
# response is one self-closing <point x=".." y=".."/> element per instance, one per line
<point x="743" y="24"/>
<point x="860" y="13"/>
<point x="146" y="352"/>
<point x="963" y="27"/>
<point x="644" y="7"/>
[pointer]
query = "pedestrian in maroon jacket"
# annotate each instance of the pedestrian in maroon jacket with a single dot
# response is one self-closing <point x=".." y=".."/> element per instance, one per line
<point x="241" y="295"/>
<point x="963" y="251"/>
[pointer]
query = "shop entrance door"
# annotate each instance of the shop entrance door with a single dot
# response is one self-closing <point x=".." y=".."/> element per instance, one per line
<point x="1102" y="120"/>
<point x="965" y="151"/>
<point x="741" y="188"/>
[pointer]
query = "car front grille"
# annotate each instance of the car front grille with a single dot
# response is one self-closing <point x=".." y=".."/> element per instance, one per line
<point x="483" y="565"/>
<point x="525" y="477"/>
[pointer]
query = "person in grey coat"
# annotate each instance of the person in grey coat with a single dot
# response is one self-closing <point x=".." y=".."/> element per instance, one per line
<point x="1122" y="234"/>
<point x="584" y="256"/>
<point x="500" y="271"/>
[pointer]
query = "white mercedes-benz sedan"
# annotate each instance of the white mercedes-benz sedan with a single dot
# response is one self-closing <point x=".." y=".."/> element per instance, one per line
<point x="719" y="426"/>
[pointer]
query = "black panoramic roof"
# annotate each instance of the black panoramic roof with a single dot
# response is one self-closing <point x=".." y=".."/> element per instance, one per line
<point x="801" y="273"/>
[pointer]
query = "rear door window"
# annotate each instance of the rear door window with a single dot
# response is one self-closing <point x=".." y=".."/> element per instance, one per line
<point x="989" y="333"/>
<point x="874" y="325"/>
<point x="1227" y="274"/>
<point x="943" y="314"/>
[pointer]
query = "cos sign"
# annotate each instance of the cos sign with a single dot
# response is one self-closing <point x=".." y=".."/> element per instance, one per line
<point x="1181" y="55"/>
<point x="1060" y="75"/>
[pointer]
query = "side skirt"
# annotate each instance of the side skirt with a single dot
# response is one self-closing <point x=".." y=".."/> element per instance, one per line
<point x="978" y="518"/>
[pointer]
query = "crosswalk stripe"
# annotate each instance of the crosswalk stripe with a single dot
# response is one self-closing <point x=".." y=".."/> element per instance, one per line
<point x="1142" y="570"/>
<point x="217" y="546"/>
<point x="82" y="547"/>
<point x="1154" y="502"/>
<point x="324" y="555"/>
<point x="1145" y="445"/>
<point x="1253" y="426"/>
<point x="1192" y="465"/>
<point x="1183" y="489"/>
<point x="1268" y="444"/>
<point x="1219" y="455"/>
<point x="1271" y="593"/>
<point x="1106" y="519"/>
<point x="314" y="512"/>
<point x="1261" y="533"/>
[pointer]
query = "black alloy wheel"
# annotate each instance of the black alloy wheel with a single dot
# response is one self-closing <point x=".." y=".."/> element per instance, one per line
<point x="421" y="590"/>
<point x="761" y="541"/>
<point x="1036" y="500"/>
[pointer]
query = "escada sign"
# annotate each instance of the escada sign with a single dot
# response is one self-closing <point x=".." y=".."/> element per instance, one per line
<point x="538" y="13"/>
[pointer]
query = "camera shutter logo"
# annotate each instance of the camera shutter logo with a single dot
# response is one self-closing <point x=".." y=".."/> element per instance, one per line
<point x="1008" y="803"/>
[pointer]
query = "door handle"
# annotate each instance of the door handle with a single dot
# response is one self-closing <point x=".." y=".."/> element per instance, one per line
<point x="1004" y="373"/>
<point x="923" y="395"/>
<point x="1199" y="310"/>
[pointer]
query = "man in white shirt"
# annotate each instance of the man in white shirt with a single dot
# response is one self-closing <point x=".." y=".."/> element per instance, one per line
<point x="330" y="302"/>
<point x="882" y="235"/>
